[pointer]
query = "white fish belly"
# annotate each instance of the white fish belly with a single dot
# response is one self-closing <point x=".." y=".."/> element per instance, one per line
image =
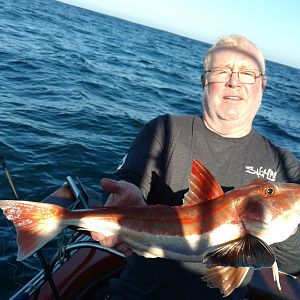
<point x="102" y="225"/>
<point x="185" y="248"/>
<point x="181" y="247"/>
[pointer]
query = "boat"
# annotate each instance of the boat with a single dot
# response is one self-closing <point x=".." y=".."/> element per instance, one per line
<point x="82" y="268"/>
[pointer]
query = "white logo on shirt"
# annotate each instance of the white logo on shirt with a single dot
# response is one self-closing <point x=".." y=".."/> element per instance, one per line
<point x="262" y="172"/>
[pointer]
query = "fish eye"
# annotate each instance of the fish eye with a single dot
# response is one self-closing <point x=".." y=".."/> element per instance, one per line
<point x="269" y="191"/>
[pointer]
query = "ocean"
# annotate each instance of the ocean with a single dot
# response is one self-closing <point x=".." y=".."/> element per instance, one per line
<point x="76" y="87"/>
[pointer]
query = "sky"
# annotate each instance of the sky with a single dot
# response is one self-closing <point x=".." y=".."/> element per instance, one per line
<point x="272" y="25"/>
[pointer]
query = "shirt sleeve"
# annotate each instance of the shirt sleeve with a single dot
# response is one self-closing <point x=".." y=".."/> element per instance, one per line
<point x="288" y="251"/>
<point x="288" y="167"/>
<point x="288" y="254"/>
<point x="144" y="157"/>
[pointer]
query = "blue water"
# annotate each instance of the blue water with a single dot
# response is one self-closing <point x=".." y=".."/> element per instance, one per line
<point x="75" y="88"/>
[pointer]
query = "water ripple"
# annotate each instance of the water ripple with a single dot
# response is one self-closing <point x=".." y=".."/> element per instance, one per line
<point x="76" y="88"/>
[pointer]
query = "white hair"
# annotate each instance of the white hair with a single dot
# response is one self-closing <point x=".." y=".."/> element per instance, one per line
<point x="235" y="41"/>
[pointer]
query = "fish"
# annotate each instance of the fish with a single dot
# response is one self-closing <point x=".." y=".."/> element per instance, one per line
<point x="228" y="232"/>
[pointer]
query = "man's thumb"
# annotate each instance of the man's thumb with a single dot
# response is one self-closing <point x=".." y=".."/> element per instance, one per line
<point x="109" y="185"/>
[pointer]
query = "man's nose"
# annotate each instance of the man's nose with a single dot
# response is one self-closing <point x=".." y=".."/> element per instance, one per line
<point x="234" y="80"/>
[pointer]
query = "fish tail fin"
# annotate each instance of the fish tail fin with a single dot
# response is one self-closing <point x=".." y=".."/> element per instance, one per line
<point x="35" y="223"/>
<point x="226" y="279"/>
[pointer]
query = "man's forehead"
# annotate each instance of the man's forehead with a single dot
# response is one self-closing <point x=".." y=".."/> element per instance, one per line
<point x="245" y="57"/>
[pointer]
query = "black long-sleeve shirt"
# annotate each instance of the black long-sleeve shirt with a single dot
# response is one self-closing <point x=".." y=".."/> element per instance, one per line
<point x="159" y="162"/>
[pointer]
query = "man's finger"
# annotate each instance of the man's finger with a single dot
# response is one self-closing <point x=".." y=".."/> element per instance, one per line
<point x="97" y="236"/>
<point x="110" y="185"/>
<point x="107" y="241"/>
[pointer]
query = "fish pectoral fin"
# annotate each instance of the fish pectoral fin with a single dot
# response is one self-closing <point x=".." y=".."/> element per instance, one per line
<point x="226" y="279"/>
<point x="247" y="251"/>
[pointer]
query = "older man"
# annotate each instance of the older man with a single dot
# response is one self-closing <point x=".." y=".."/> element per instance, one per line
<point x="158" y="163"/>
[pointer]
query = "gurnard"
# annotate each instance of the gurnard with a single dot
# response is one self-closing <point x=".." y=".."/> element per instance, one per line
<point x="229" y="232"/>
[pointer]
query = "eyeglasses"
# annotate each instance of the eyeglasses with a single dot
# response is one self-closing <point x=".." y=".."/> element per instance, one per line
<point x="224" y="74"/>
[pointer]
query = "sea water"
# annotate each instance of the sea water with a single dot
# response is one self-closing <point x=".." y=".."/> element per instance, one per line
<point x="77" y="86"/>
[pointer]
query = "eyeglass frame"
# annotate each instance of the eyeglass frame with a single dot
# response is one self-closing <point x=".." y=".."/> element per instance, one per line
<point x="238" y="73"/>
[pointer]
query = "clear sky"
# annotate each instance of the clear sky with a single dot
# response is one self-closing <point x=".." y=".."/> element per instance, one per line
<point x="273" y="25"/>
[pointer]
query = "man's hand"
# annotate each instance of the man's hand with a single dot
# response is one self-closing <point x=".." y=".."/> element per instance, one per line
<point x="122" y="193"/>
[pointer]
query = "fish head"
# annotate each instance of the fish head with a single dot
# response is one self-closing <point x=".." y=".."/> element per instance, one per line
<point x="269" y="210"/>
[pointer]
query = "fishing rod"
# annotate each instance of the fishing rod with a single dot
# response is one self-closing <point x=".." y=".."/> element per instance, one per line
<point x="39" y="252"/>
<point x="10" y="181"/>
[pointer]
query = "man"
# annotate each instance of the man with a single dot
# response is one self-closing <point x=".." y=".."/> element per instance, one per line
<point x="158" y="164"/>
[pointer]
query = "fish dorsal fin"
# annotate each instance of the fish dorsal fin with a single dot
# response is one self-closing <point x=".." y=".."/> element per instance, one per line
<point x="248" y="251"/>
<point x="226" y="279"/>
<point x="202" y="187"/>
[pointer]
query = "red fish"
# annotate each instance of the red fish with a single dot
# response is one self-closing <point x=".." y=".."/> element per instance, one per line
<point x="230" y="233"/>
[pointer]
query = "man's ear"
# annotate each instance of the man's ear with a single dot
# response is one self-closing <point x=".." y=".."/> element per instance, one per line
<point x="264" y="82"/>
<point x="203" y="81"/>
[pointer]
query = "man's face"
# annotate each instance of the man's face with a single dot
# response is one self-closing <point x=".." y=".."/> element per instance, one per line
<point x="233" y="100"/>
